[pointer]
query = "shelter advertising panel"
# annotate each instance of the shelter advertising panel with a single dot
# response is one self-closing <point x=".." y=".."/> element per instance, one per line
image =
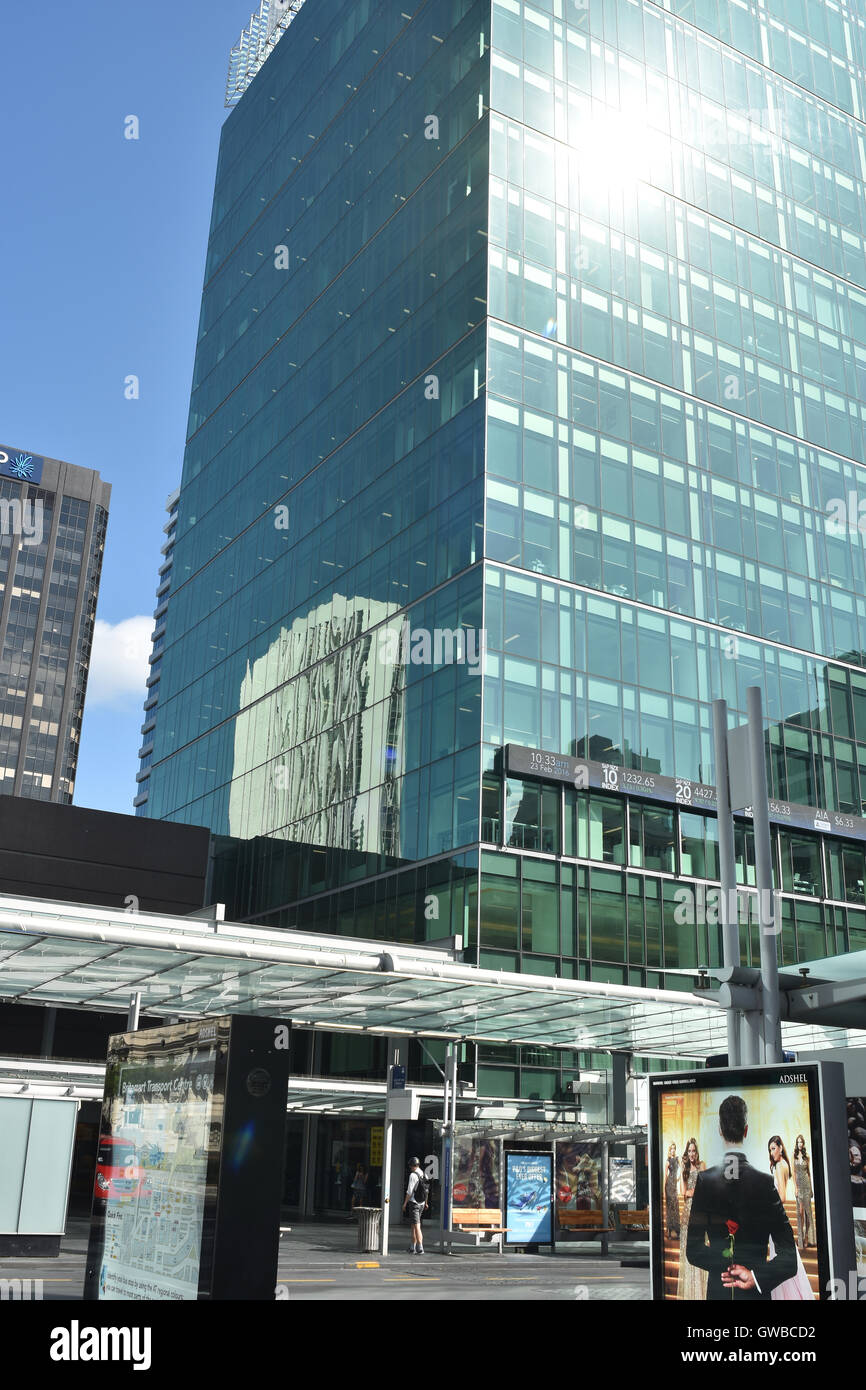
<point x="579" y="1183"/>
<point x="476" y="1174"/>
<point x="739" y="1208"/>
<point x="623" y="1188"/>
<point x="528" y="1198"/>
<point x="856" y="1119"/>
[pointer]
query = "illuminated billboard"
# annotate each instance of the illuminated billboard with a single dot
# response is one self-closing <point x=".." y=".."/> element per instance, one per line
<point x="740" y="1199"/>
<point x="529" y="1198"/>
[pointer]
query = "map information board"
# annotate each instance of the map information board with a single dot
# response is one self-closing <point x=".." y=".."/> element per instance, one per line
<point x="160" y="1131"/>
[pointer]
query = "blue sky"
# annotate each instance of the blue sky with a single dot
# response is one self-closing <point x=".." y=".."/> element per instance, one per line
<point x="102" y="250"/>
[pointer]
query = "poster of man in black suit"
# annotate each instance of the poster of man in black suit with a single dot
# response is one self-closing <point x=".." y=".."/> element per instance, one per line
<point x="760" y="1208"/>
<point x="735" y="1213"/>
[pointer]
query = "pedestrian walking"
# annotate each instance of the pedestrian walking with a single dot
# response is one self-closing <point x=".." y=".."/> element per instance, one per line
<point x="359" y="1186"/>
<point x="416" y="1199"/>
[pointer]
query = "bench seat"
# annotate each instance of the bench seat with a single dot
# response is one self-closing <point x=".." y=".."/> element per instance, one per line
<point x="482" y="1223"/>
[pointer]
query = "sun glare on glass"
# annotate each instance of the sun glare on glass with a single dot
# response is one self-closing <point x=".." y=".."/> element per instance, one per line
<point x="616" y="147"/>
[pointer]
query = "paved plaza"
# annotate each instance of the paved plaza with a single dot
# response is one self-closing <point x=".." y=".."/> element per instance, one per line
<point x="321" y="1261"/>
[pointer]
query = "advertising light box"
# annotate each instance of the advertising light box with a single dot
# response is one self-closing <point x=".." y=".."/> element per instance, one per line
<point x="529" y="1198"/>
<point x="189" y="1163"/>
<point x="749" y="1184"/>
<point x="856" y="1117"/>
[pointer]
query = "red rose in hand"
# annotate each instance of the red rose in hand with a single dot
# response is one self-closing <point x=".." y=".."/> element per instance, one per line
<point x="733" y="1227"/>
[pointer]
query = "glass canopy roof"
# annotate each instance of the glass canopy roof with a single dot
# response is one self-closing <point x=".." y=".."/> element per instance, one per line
<point x="91" y="957"/>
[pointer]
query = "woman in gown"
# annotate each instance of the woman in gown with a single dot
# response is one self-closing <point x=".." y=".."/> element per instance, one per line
<point x="798" y="1286"/>
<point x="803" y="1188"/>
<point x="780" y="1166"/>
<point x="672" y="1196"/>
<point x="691" y="1281"/>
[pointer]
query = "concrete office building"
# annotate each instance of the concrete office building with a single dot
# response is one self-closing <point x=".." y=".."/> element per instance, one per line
<point x="53" y="517"/>
<point x="543" y="325"/>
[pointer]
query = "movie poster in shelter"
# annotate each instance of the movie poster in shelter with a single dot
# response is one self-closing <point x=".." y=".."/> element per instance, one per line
<point x="578" y="1177"/>
<point x="857" y="1153"/>
<point x="476" y="1173"/>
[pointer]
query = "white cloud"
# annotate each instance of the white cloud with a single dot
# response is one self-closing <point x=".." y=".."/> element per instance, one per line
<point x="118" y="663"/>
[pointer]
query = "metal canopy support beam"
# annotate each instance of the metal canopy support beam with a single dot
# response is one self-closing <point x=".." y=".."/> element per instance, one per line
<point x="842" y="1001"/>
<point x="727" y="868"/>
<point x="454" y="1054"/>
<point x="605" y="1194"/>
<point x="619" y="1084"/>
<point x="767" y="926"/>
<point x="443" y="1177"/>
<point x="387" y="1145"/>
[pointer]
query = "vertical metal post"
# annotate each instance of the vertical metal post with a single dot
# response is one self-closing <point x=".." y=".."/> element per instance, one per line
<point x="386" y="1156"/>
<point x="133" y="1012"/>
<point x="764" y="877"/>
<point x="605" y="1194"/>
<point x="446" y="1115"/>
<point x="452" y="1128"/>
<point x="453" y="1069"/>
<point x="752" y="1038"/>
<point x="619" y="1086"/>
<point x="727" y="868"/>
<point x="308" y="1166"/>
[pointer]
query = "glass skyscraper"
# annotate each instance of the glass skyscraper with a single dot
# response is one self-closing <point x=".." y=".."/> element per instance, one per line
<point x="545" y="322"/>
<point x="151" y="699"/>
<point x="53" y="517"/>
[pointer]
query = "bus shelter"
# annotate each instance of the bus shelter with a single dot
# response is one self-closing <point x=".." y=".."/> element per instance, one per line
<point x="527" y="1186"/>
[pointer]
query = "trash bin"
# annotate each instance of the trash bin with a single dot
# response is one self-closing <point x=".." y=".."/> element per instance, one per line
<point x="368" y="1227"/>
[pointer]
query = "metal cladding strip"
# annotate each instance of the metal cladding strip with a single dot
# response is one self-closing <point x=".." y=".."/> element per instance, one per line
<point x="370" y="962"/>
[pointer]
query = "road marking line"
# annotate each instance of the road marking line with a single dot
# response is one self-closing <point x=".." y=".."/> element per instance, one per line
<point x="308" y="1281"/>
<point x="408" y="1278"/>
<point x="367" y="1264"/>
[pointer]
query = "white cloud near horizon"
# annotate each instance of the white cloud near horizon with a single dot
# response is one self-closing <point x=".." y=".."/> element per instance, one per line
<point x="118" y="662"/>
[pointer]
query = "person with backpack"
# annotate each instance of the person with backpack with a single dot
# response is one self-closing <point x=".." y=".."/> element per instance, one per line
<point x="416" y="1199"/>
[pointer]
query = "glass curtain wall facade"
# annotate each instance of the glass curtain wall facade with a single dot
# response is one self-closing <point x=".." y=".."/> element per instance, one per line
<point x="547" y="320"/>
<point x="676" y="371"/>
<point x="151" y="700"/>
<point x="332" y="492"/>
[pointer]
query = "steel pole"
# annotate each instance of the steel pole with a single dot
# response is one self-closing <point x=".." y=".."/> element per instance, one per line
<point x="452" y="1127"/>
<point x="446" y="1114"/>
<point x="386" y="1154"/>
<point x="727" y="868"/>
<point x="454" y="1064"/>
<point x="764" y="877"/>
